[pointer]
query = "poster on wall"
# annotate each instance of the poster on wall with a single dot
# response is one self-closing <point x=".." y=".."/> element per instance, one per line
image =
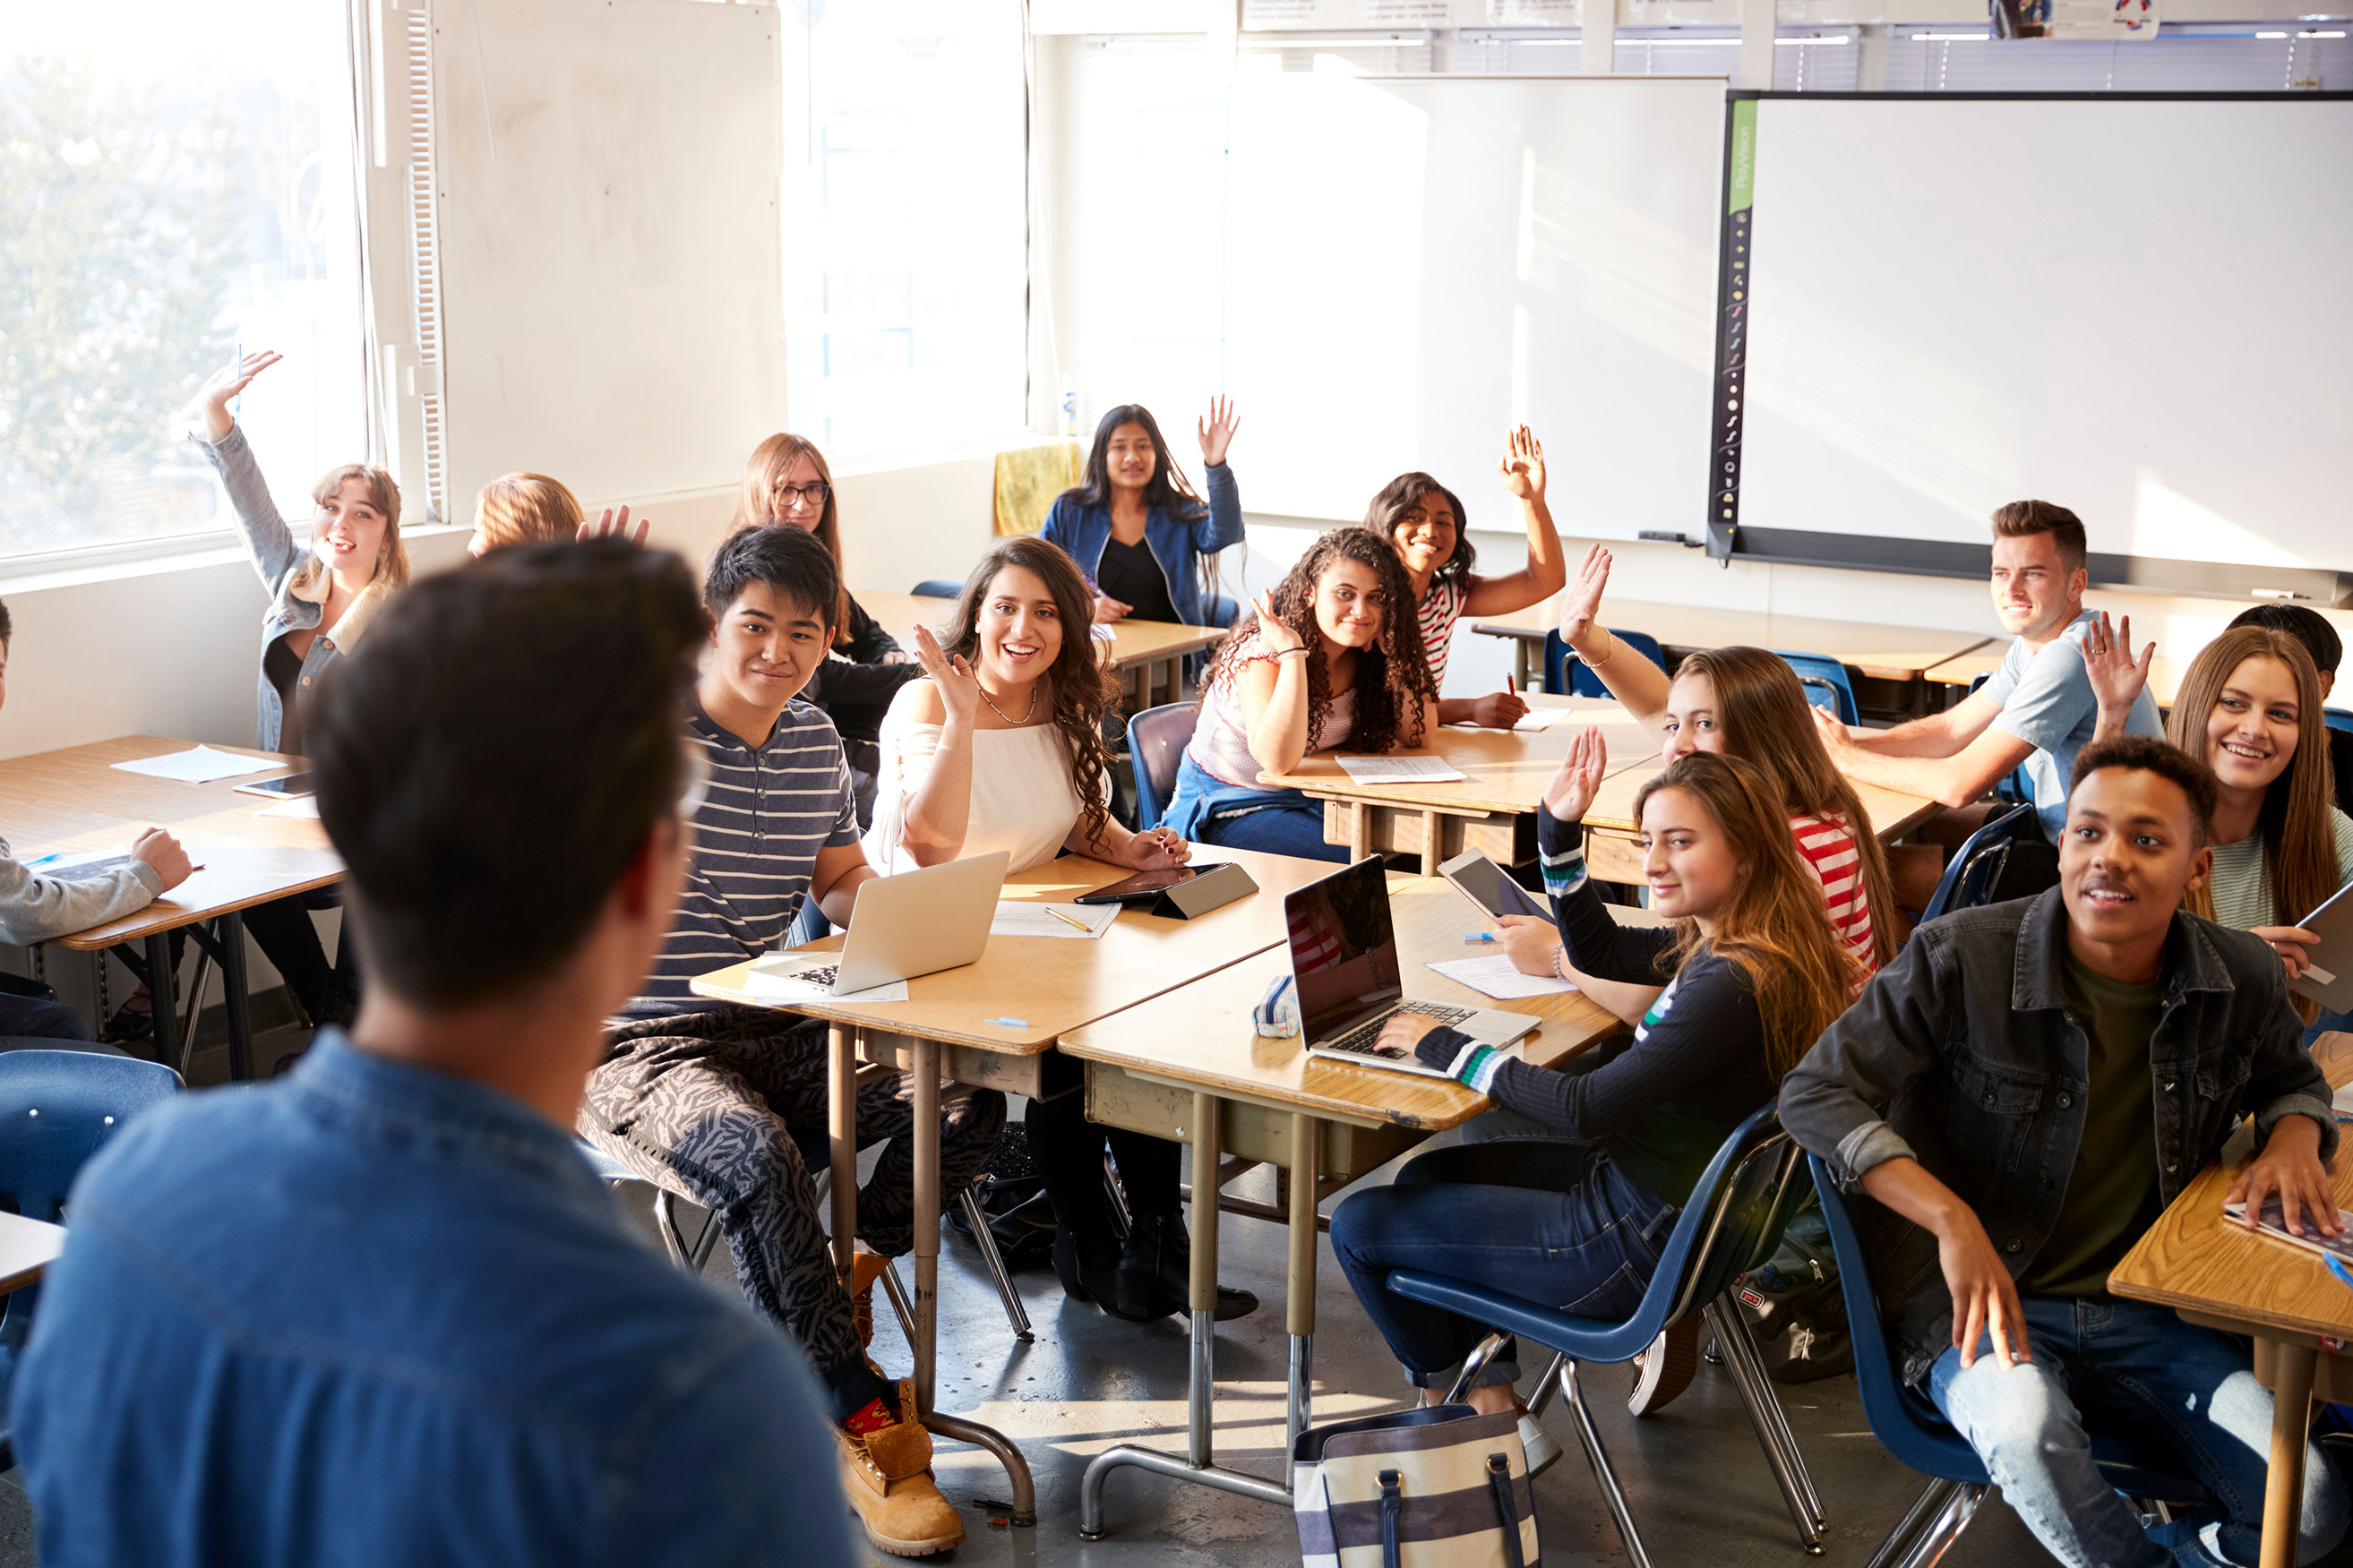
<point x="2110" y="21"/>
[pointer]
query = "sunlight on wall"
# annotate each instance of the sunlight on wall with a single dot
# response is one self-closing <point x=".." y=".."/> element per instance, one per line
<point x="2167" y="524"/>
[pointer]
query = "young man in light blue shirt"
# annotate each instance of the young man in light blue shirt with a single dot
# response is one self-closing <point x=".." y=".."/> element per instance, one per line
<point x="2037" y="709"/>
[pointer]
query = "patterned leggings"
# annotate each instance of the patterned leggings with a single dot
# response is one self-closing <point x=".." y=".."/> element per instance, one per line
<point x="708" y="1105"/>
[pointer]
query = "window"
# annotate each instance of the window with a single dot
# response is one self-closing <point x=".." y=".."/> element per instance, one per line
<point x="176" y="184"/>
<point x="906" y="226"/>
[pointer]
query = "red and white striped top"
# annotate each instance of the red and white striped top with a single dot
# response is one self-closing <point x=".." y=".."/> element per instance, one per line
<point x="1438" y="610"/>
<point x="1827" y="847"/>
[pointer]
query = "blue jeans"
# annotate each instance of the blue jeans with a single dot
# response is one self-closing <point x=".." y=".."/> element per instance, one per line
<point x="2326" y="1023"/>
<point x="1547" y="1220"/>
<point x="1292" y="827"/>
<point x="2127" y="1366"/>
<point x="32" y="1018"/>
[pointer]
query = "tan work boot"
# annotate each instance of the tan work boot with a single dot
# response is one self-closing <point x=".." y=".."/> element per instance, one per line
<point x="887" y="1475"/>
<point x="865" y="1268"/>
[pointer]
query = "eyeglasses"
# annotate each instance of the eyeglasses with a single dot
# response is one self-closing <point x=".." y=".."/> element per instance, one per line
<point x="812" y="494"/>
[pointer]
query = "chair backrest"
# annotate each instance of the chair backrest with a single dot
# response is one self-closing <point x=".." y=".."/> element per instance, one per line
<point x="1156" y="744"/>
<point x="1826" y="683"/>
<point x="2338" y="719"/>
<point x="1970" y="874"/>
<point x="1566" y="675"/>
<point x="937" y="588"/>
<point x="56" y="1107"/>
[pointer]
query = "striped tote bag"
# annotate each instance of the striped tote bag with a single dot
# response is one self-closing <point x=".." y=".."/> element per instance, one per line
<point x="1441" y="1485"/>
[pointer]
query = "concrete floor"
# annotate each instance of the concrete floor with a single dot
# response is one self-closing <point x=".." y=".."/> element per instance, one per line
<point x="1694" y="1476"/>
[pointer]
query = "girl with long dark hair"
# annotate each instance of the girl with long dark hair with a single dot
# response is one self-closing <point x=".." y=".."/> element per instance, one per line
<point x="1137" y="529"/>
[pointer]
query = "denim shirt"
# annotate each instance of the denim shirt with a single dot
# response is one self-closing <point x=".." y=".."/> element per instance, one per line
<point x="1177" y="543"/>
<point x="294" y="605"/>
<point x="370" y="1314"/>
<point x="1961" y="1054"/>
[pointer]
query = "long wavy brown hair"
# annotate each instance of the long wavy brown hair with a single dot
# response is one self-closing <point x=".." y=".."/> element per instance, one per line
<point x="1775" y="931"/>
<point x="2299" y="839"/>
<point x="755" y="507"/>
<point x="1763" y="711"/>
<point x="1079" y="690"/>
<point x="1392" y="676"/>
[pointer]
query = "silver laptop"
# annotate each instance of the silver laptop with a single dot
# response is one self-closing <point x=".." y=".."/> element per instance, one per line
<point x="916" y="923"/>
<point x="2329" y="980"/>
<point x="1343" y="965"/>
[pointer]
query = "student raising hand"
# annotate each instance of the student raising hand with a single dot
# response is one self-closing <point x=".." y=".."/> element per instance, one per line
<point x="959" y="687"/>
<point x="1522" y="466"/>
<point x="222" y="387"/>
<point x="1578" y="779"/>
<point x="1217" y="431"/>
<point x="1580" y="603"/>
<point x="611" y="526"/>
<point x="2117" y="676"/>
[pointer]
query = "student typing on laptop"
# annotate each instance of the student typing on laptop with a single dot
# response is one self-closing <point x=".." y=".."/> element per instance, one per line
<point x="705" y="1097"/>
<point x="1753" y="974"/>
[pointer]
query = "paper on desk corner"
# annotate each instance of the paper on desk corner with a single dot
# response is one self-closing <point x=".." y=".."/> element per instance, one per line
<point x="1014" y="918"/>
<point x="197" y="764"/>
<point x="1546" y="718"/>
<point x="1399" y="770"/>
<point x="1494" y="976"/>
<point x="303" y="806"/>
<point x="2343" y="1099"/>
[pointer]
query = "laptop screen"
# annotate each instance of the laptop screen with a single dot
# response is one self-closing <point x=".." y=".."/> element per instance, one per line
<point x="1344" y="952"/>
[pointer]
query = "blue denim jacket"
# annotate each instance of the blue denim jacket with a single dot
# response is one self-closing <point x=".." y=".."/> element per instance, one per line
<point x="372" y="1314"/>
<point x="1961" y="1054"/>
<point x="1177" y="543"/>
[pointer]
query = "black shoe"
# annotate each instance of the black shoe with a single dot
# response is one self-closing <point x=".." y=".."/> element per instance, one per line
<point x="1156" y="1274"/>
<point x="1087" y="1266"/>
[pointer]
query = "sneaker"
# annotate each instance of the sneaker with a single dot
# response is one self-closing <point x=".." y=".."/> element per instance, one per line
<point x="1666" y="1369"/>
<point x="1537" y="1443"/>
<point x="1819" y="1347"/>
<point x="887" y="1475"/>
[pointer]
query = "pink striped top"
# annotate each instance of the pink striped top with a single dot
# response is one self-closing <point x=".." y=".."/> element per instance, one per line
<point x="1827" y="847"/>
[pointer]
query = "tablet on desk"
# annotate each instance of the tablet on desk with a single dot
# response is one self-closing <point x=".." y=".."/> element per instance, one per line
<point x="2328" y="979"/>
<point x="285" y="786"/>
<point x="1144" y="886"/>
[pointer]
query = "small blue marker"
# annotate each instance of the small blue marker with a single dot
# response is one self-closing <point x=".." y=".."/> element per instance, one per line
<point x="2344" y="1275"/>
<point x="1007" y="1023"/>
<point x="1478" y="936"/>
<point x="45" y="859"/>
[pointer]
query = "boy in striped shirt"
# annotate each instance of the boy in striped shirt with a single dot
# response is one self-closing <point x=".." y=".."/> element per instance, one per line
<point x="713" y="1101"/>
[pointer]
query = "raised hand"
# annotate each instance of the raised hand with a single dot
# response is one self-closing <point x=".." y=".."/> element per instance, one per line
<point x="1578" y="779"/>
<point x="959" y="687"/>
<point x="2118" y="678"/>
<point x="1272" y="630"/>
<point x="608" y="525"/>
<point x="1522" y="465"/>
<point x="222" y="385"/>
<point x="1217" y="430"/>
<point x="1580" y="603"/>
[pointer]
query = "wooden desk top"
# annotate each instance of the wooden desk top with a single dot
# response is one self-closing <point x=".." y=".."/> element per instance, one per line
<point x="1201" y="1034"/>
<point x="74" y="800"/>
<point x="27" y="1247"/>
<point x="1507" y="769"/>
<point x="1132" y="642"/>
<point x="2164" y="674"/>
<point x="1053" y="984"/>
<point x="1888" y="652"/>
<point x="1890" y="812"/>
<point x="2194" y="1261"/>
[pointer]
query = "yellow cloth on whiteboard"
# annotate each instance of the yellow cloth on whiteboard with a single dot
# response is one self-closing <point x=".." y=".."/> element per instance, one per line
<point x="1028" y="480"/>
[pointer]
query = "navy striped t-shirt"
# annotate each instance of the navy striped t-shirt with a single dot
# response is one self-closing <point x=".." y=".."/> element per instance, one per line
<point x="756" y="836"/>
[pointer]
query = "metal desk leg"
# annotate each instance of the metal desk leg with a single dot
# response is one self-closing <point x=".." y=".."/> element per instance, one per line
<point x="924" y="1065"/>
<point x="1199" y="1464"/>
<point x="165" y="1007"/>
<point x="841" y="1134"/>
<point x="2291" y="1420"/>
<point x="1520" y="672"/>
<point x="234" y="995"/>
<point x="1299" y="1290"/>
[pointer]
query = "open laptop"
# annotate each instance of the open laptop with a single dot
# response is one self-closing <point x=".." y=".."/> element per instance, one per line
<point x="915" y="923"/>
<point x="1343" y="963"/>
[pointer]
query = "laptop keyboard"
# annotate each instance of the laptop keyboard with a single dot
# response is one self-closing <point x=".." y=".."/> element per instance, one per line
<point x="822" y="978"/>
<point x="1360" y="1038"/>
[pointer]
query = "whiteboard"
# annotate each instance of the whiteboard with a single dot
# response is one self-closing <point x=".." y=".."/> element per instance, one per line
<point x="610" y="264"/>
<point x="2132" y="308"/>
<point x="1391" y="271"/>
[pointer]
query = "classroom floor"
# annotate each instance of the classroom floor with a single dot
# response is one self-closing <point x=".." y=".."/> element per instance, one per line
<point x="1694" y="1476"/>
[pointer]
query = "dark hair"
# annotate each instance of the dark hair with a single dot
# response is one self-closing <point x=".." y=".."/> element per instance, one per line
<point x="2025" y="518"/>
<point x="1401" y="492"/>
<point x="790" y="559"/>
<point x="1078" y="688"/>
<point x="2149" y="754"/>
<point x="7" y="627"/>
<point x="493" y="757"/>
<point x="1392" y="676"/>
<point x="1166" y="488"/>
<point x="2308" y="626"/>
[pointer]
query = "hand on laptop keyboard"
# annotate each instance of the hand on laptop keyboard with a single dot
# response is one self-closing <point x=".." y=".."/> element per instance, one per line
<point x="1363" y="1037"/>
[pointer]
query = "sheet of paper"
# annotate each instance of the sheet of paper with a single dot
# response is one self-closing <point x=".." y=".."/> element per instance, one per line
<point x="305" y="806"/>
<point x="1494" y="976"/>
<point x="1546" y="718"/>
<point x="1398" y="770"/>
<point x="198" y="764"/>
<point x="2343" y="1100"/>
<point x="779" y="979"/>
<point x="58" y="864"/>
<point x="1040" y="920"/>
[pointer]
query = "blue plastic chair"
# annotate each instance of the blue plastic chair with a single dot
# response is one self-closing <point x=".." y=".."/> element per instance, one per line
<point x="1731" y="1224"/>
<point x="2338" y="719"/>
<point x="1826" y="683"/>
<point x="1970" y="874"/>
<point x="1908" y="1424"/>
<point x="1566" y="675"/>
<point x="937" y="588"/>
<point x="1156" y="744"/>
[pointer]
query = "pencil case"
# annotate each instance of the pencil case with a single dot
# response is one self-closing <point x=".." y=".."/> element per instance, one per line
<point x="1277" y="1013"/>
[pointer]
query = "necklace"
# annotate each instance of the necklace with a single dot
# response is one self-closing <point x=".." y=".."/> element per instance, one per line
<point x="1001" y="713"/>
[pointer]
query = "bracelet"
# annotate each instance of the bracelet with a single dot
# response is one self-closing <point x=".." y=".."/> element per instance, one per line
<point x="1605" y="659"/>
<point x="1286" y="653"/>
<point x="1558" y="953"/>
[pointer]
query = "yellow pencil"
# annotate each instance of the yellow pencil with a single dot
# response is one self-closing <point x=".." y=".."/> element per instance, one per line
<point x="1068" y="921"/>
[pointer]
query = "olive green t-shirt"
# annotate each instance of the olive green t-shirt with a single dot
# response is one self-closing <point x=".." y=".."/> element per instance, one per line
<point x="2111" y="1194"/>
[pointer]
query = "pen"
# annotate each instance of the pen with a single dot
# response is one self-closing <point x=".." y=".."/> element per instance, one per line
<point x="2344" y="1275"/>
<point x="1478" y="936"/>
<point x="1068" y="921"/>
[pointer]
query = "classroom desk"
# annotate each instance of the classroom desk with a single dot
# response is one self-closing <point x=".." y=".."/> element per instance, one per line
<point x="75" y="800"/>
<point x="941" y="1030"/>
<point x="2164" y="674"/>
<point x="1150" y="653"/>
<point x="2284" y="1299"/>
<point x="1613" y="854"/>
<point x="1507" y="769"/>
<point x="1188" y="1064"/>
<point x="27" y="1247"/>
<point x="1900" y="654"/>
